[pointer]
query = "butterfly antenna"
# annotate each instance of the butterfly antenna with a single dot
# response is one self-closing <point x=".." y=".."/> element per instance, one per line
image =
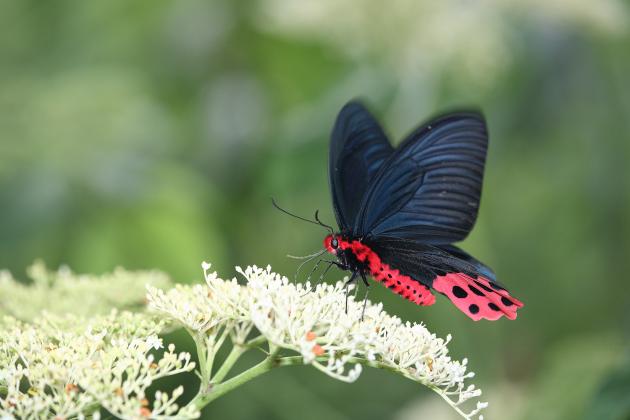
<point x="323" y="224"/>
<point x="297" y="272"/>
<point x="296" y="257"/>
<point x="315" y="222"/>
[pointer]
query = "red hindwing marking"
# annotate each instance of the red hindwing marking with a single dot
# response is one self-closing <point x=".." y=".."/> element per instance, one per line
<point x="477" y="298"/>
<point x="392" y="278"/>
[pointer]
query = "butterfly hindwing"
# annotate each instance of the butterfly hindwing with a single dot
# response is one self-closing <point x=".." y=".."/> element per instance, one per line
<point x="358" y="149"/>
<point x="477" y="297"/>
<point x="465" y="281"/>
<point x="480" y="267"/>
<point x="429" y="189"/>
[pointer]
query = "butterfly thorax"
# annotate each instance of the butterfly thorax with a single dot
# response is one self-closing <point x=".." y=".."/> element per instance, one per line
<point x="351" y="253"/>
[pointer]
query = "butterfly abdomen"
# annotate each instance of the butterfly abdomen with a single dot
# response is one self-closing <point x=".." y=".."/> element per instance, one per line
<point x="390" y="277"/>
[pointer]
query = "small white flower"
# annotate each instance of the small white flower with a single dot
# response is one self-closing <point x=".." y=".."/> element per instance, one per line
<point x="96" y="337"/>
<point x="154" y="342"/>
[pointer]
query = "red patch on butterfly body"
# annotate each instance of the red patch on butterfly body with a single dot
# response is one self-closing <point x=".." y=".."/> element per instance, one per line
<point x="405" y="286"/>
<point x="328" y="244"/>
<point x="477" y="297"/>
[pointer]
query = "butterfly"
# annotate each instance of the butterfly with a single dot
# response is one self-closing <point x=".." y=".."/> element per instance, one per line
<point x="400" y="210"/>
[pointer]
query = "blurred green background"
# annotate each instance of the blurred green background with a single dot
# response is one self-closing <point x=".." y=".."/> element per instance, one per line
<point x="151" y="134"/>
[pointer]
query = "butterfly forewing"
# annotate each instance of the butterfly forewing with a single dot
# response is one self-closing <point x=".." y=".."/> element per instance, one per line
<point x="428" y="190"/>
<point x="358" y="149"/>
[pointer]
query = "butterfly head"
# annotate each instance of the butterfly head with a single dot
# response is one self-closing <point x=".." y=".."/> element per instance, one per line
<point x="331" y="243"/>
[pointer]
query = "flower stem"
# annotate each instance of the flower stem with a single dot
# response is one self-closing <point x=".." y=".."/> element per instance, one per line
<point x="217" y="390"/>
<point x="450" y="402"/>
<point x="202" y="356"/>
<point x="255" y="342"/>
<point x="229" y="362"/>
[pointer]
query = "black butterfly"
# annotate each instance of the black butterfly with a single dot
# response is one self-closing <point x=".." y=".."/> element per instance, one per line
<point x="399" y="210"/>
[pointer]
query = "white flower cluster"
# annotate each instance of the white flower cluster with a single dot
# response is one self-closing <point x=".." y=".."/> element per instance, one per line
<point x="63" y="292"/>
<point x="69" y="367"/>
<point x="314" y="323"/>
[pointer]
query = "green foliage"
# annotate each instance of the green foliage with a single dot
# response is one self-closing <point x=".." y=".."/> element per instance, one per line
<point x="611" y="399"/>
<point x="152" y="134"/>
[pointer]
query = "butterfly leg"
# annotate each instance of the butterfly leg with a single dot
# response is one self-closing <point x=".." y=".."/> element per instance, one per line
<point x="314" y="269"/>
<point x="354" y="276"/>
<point x="330" y="264"/>
<point x="356" y="290"/>
<point x="364" y="278"/>
<point x="367" y="290"/>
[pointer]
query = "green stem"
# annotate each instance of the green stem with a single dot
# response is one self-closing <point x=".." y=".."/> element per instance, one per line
<point x="202" y="356"/>
<point x="234" y="355"/>
<point x="448" y="400"/>
<point x="290" y="361"/>
<point x="216" y="345"/>
<point x="217" y="390"/>
<point x="255" y="342"/>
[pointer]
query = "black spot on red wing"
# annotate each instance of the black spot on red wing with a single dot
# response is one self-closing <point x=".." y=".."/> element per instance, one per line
<point x="484" y="287"/>
<point x="506" y="301"/>
<point x="398" y="282"/>
<point x="493" y="307"/>
<point x="473" y="308"/>
<point x="476" y="291"/>
<point x="391" y="286"/>
<point x="496" y="287"/>
<point x="389" y="275"/>
<point x="459" y="292"/>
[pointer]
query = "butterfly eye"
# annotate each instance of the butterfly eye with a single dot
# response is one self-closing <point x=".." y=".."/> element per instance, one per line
<point x="334" y="243"/>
